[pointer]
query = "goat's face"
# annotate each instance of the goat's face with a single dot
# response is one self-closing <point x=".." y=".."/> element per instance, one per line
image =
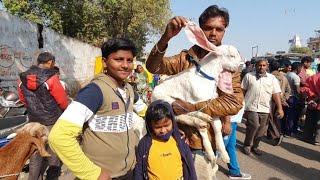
<point x="229" y="57"/>
<point x="36" y="130"/>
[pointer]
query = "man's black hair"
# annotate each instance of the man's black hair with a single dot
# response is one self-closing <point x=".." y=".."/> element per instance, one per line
<point x="306" y="59"/>
<point x="158" y="111"/>
<point x="56" y="68"/>
<point x="45" y="57"/>
<point x="248" y="63"/>
<point x="212" y="12"/>
<point x="287" y="64"/>
<point x="115" y="44"/>
<point x="295" y="66"/>
<point x="274" y="66"/>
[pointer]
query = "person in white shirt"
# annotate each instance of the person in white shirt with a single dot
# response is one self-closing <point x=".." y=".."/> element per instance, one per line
<point x="260" y="88"/>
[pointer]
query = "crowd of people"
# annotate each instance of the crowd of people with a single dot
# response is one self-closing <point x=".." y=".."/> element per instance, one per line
<point x="102" y="113"/>
<point x="299" y="97"/>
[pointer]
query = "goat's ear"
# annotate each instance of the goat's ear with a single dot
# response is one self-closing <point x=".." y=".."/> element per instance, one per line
<point x="38" y="133"/>
<point x="42" y="133"/>
<point x="40" y="146"/>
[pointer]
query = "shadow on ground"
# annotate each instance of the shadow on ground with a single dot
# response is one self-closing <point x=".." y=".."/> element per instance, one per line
<point x="285" y="165"/>
<point x="302" y="151"/>
<point x="290" y="168"/>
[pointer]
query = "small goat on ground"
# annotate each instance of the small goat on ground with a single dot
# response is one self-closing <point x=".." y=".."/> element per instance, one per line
<point x="14" y="155"/>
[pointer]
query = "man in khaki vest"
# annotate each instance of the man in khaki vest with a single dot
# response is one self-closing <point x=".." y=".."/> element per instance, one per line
<point x="106" y="106"/>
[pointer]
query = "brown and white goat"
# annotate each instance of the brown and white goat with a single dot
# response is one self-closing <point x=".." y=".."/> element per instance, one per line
<point x="14" y="155"/>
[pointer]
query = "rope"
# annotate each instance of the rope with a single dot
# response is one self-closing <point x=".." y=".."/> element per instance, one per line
<point x="9" y="175"/>
<point x="186" y="110"/>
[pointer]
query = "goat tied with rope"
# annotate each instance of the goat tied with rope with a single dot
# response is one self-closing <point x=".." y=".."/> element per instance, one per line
<point x="13" y="156"/>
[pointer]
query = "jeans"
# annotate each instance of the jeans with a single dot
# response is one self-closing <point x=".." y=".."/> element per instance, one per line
<point x="230" y="142"/>
<point x="312" y="126"/>
<point x="290" y="125"/>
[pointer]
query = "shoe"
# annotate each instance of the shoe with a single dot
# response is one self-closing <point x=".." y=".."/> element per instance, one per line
<point x="278" y="140"/>
<point x="256" y="151"/>
<point x="316" y="143"/>
<point x="288" y="136"/>
<point x="240" y="176"/>
<point x="246" y="150"/>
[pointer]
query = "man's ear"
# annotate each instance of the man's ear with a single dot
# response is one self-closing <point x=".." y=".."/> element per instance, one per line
<point x="104" y="63"/>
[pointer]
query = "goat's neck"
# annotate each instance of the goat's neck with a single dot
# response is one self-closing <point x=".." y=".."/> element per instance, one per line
<point x="14" y="155"/>
<point x="199" y="52"/>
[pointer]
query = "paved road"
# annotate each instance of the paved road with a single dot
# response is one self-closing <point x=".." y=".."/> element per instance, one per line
<point x="293" y="159"/>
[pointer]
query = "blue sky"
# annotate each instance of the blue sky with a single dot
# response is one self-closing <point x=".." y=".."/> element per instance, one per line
<point x="268" y="24"/>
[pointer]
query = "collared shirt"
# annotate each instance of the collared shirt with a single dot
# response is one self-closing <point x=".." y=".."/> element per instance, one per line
<point x="259" y="91"/>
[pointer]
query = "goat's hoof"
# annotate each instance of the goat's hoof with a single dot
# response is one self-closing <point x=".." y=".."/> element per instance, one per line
<point x="225" y="158"/>
<point x="212" y="159"/>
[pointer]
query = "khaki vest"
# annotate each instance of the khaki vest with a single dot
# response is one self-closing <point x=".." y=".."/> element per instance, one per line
<point x="104" y="143"/>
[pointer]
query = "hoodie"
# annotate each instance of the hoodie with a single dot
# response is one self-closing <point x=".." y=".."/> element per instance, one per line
<point x="42" y="93"/>
<point x="145" y="143"/>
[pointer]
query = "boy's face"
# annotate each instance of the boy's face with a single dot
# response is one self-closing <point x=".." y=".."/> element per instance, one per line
<point x="119" y="64"/>
<point x="162" y="126"/>
<point x="139" y="69"/>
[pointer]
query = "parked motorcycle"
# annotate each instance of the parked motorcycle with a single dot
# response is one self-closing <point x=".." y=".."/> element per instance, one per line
<point x="12" y="115"/>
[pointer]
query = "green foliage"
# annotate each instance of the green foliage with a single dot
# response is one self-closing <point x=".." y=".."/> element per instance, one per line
<point x="98" y="20"/>
<point x="302" y="50"/>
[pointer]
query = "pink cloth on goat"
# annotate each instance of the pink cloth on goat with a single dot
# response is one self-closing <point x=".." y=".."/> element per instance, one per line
<point x="196" y="36"/>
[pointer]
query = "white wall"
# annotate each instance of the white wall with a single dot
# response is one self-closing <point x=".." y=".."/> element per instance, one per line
<point x="19" y="50"/>
<point x="18" y="46"/>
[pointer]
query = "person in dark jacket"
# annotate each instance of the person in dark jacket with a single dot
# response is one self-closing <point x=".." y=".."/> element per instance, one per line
<point x="162" y="153"/>
<point x="45" y="99"/>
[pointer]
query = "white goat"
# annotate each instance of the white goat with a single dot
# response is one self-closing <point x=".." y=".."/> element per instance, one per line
<point x="192" y="87"/>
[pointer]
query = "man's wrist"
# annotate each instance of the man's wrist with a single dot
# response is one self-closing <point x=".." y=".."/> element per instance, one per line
<point x="164" y="39"/>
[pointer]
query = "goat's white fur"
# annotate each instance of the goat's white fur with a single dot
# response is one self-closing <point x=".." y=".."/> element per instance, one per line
<point x="192" y="87"/>
<point x="139" y="126"/>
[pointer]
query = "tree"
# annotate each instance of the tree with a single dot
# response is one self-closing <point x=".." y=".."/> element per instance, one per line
<point x="301" y="50"/>
<point x="93" y="21"/>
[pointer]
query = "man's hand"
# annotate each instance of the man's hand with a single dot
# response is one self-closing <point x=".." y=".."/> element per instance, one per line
<point x="226" y="125"/>
<point x="174" y="27"/>
<point x="312" y="105"/>
<point x="183" y="136"/>
<point x="182" y="107"/>
<point x="104" y="175"/>
<point x="280" y="113"/>
<point x="285" y="104"/>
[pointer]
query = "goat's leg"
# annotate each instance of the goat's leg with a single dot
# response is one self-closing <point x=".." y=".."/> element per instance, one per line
<point x="190" y="120"/>
<point x="139" y="126"/>
<point x="217" y="126"/>
<point x="203" y="116"/>
<point x="207" y="145"/>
